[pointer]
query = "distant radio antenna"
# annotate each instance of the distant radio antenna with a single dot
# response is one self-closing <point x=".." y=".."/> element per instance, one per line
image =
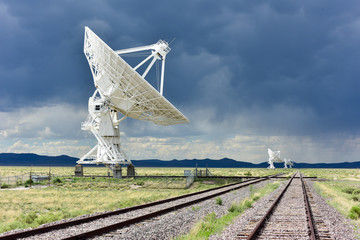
<point x="288" y="162"/>
<point x="274" y="156"/>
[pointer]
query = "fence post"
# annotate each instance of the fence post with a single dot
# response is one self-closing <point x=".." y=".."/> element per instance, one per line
<point x="49" y="175"/>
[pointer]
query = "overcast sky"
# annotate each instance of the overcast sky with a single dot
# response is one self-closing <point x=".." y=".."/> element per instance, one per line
<point x="250" y="75"/>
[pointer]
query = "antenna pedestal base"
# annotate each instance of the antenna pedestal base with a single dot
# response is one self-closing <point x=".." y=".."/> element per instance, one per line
<point x="79" y="171"/>
<point x="117" y="171"/>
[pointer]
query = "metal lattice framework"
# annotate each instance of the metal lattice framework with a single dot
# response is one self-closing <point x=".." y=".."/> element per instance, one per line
<point x="120" y="88"/>
<point x="288" y="162"/>
<point x="128" y="91"/>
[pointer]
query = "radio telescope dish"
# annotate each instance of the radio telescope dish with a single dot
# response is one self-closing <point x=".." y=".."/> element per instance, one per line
<point x="120" y="88"/>
<point x="274" y="156"/>
<point x="124" y="88"/>
<point x="288" y="162"/>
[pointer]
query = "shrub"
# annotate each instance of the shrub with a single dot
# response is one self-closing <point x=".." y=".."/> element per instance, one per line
<point x="348" y="190"/>
<point x="29" y="218"/>
<point x="356" y="191"/>
<point x="354" y="212"/>
<point x="28" y="182"/>
<point x="140" y="182"/>
<point x="218" y="201"/>
<point x="255" y="198"/>
<point x="248" y="174"/>
<point x="4" y="185"/>
<point x="236" y="207"/>
<point x="57" y="181"/>
<point x="247" y="204"/>
<point x="50" y="217"/>
<point x="355" y="198"/>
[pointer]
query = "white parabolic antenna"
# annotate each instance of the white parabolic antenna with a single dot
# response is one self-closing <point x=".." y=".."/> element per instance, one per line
<point x="121" y="89"/>
<point x="274" y="156"/>
<point x="287" y="162"/>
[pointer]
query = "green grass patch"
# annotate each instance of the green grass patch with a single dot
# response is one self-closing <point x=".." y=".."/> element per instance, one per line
<point x="69" y="197"/>
<point x="354" y="212"/>
<point x="218" y="201"/>
<point x="212" y="224"/>
<point x="333" y="174"/>
<point x="103" y="171"/>
<point x="343" y="196"/>
<point x="5" y="185"/>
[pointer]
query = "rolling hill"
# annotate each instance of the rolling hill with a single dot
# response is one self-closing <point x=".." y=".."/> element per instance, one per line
<point x="31" y="159"/>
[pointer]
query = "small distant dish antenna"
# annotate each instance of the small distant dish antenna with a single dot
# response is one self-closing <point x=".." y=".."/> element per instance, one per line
<point x="274" y="156"/>
<point x="120" y="89"/>
<point x="288" y="162"/>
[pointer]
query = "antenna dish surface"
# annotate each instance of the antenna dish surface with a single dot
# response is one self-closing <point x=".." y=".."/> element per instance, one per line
<point x="124" y="88"/>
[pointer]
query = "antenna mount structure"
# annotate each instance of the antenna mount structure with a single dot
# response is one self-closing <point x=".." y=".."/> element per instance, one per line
<point x="120" y="89"/>
<point x="158" y="52"/>
<point x="287" y="162"/>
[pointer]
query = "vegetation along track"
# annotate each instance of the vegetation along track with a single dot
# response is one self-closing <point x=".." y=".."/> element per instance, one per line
<point x="95" y="225"/>
<point x="289" y="216"/>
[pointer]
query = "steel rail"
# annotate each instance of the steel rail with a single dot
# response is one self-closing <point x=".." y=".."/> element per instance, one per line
<point x="57" y="226"/>
<point x="309" y="214"/>
<point x="160" y="176"/>
<point x="261" y="223"/>
<point x="119" y="225"/>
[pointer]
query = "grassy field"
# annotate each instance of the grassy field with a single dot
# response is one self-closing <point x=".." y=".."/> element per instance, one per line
<point x="334" y="174"/>
<point x="342" y="190"/>
<point x="68" y="197"/>
<point x="12" y="171"/>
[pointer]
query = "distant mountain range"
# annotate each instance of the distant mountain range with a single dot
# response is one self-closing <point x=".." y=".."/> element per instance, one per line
<point x="30" y="159"/>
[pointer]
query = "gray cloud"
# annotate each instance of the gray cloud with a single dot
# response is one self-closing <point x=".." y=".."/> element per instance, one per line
<point x="277" y="67"/>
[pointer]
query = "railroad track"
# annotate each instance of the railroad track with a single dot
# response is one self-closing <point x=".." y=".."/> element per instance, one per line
<point x="291" y="215"/>
<point x="99" y="224"/>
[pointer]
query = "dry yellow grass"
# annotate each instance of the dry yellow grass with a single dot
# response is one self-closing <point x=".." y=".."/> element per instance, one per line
<point x="334" y="174"/>
<point x="337" y="194"/>
<point x="13" y="171"/>
<point x="101" y="170"/>
<point x="32" y="207"/>
<point x="35" y="206"/>
<point x="336" y="198"/>
<point x="71" y="202"/>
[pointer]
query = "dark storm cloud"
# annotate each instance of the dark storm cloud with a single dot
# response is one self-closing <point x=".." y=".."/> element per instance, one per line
<point x="285" y="65"/>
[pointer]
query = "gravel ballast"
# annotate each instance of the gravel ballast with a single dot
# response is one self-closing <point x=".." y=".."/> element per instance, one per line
<point x="340" y="227"/>
<point x="194" y="213"/>
<point x="180" y="222"/>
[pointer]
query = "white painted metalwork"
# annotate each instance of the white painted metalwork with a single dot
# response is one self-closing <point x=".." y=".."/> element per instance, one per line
<point x="121" y="89"/>
<point x="288" y="162"/>
<point x="274" y="156"/>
